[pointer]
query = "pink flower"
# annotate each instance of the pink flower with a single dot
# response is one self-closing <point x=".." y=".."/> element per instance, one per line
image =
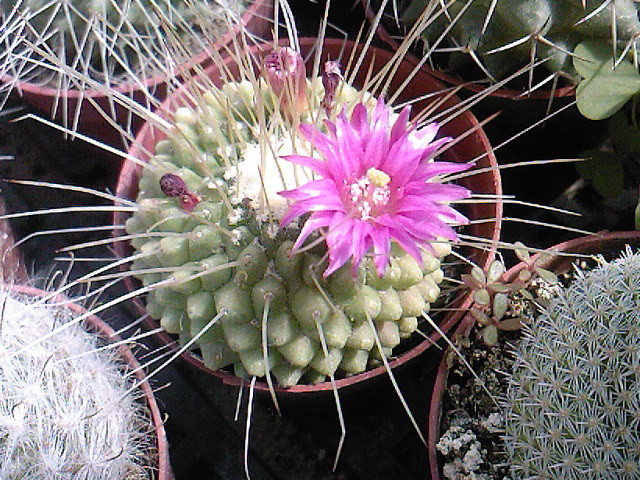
<point x="378" y="183"/>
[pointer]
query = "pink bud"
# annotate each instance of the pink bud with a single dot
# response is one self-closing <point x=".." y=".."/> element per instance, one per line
<point x="331" y="78"/>
<point x="285" y="71"/>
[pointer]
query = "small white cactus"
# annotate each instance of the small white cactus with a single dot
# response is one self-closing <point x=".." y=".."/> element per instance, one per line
<point x="65" y="410"/>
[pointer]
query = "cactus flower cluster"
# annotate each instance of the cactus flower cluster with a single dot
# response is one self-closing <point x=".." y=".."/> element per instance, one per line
<point x="65" y="406"/>
<point x="308" y="229"/>
<point x="572" y="408"/>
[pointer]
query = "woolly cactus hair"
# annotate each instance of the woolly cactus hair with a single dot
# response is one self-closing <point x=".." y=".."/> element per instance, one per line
<point x="572" y="405"/>
<point x="72" y="405"/>
<point x="119" y="46"/>
<point x="505" y="37"/>
<point x="252" y="297"/>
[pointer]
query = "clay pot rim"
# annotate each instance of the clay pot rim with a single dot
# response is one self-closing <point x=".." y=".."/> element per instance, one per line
<point x="149" y="83"/>
<point x="588" y="244"/>
<point x="450" y="79"/>
<point x="463" y="302"/>
<point x="108" y="334"/>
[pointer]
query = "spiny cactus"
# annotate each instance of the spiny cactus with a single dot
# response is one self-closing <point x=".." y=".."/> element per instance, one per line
<point x="65" y="410"/>
<point x="110" y="39"/>
<point x="502" y="36"/>
<point x="572" y="405"/>
<point x="219" y="245"/>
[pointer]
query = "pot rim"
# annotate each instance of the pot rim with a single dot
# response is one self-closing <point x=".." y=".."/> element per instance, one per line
<point x="108" y="334"/>
<point x="600" y="242"/>
<point x="462" y="303"/>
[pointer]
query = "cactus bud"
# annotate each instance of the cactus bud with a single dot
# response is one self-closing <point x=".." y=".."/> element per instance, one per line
<point x="330" y="80"/>
<point x="286" y="74"/>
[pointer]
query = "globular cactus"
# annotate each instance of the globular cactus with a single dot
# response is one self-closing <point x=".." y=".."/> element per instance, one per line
<point x="65" y="406"/>
<point x="217" y="247"/>
<point x="112" y="39"/>
<point x="505" y="35"/>
<point x="572" y="408"/>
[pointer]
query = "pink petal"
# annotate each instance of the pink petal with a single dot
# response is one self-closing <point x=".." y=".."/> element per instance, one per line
<point x="381" y="248"/>
<point x="315" y="164"/>
<point x="314" y="222"/>
<point x="400" y="126"/>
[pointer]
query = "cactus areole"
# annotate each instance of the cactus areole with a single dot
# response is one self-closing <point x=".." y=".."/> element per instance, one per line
<point x="315" y="244"/>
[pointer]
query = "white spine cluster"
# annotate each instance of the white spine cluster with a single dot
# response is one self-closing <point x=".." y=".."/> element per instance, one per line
<point x="64" y="410"/>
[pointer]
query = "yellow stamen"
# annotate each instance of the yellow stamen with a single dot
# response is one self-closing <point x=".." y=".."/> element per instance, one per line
<point x="378" y="177"/>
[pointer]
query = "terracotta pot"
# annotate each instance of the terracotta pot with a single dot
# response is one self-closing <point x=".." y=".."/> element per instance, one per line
<point x="257" y="19"/>
<point x="600" y="243"/>
<point x="476" y="145"/>
<point x="162" y="471"/>
<point x="475" y="87"/>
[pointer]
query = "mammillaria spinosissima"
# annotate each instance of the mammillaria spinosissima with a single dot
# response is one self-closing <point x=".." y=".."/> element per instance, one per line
<point x="263" y="285"/>
<point x="572" y="408"/>
<point x="66" y="410"/>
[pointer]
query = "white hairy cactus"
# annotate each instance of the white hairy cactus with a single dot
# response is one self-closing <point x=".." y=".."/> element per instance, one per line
<point x="65" y="407"/>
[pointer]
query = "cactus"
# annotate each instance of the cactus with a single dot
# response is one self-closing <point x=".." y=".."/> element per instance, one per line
<point x="111" y="39"/>
<point x="572" y="404"/>
<point x="226" y="259"/>
<point x="502" y="36"/>
<point x="65" y="406"/>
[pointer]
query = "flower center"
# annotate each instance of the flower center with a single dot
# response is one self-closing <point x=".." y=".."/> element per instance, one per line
<point x="370" y="194"/>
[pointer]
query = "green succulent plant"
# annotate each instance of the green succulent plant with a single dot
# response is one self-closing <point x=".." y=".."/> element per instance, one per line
<point x="572" y="404"/>
<point x="502" y="36"/>
<point x="492" y="295"/>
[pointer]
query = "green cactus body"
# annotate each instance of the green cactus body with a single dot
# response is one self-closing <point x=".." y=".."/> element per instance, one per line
<point x="513" y="24"/>
<point x="572" y="408"/>
<point x="228" y="256"/>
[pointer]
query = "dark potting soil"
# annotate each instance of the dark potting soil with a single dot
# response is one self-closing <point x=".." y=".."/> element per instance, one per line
<point x="472" y="423"/>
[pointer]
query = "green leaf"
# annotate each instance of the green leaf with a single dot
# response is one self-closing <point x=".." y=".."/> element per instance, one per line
<point x="603" y="90"/>
<point x="521" y="251"/>
<point x="547" y="275"/>
<point x="482" y="297"/>
<point x="604" y="170"/>
<point x="489" y="335"/>
<point x="624" y="136"/>
<point x="510" y="324"/>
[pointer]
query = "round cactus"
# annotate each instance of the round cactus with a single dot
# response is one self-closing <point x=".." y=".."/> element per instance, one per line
<point x="506" y="35"/>
<point x="253" y="271"/>
<point x="572" y="405"/>
<point x="65" y="406"/>
<point x="109" y="39"/>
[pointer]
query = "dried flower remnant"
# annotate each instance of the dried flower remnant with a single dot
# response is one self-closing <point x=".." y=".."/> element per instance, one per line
<point x="287" y="76"/>
<point x="331" y="78"/>
<point x="379" y="183"/>
<point x="174" y="186"/>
